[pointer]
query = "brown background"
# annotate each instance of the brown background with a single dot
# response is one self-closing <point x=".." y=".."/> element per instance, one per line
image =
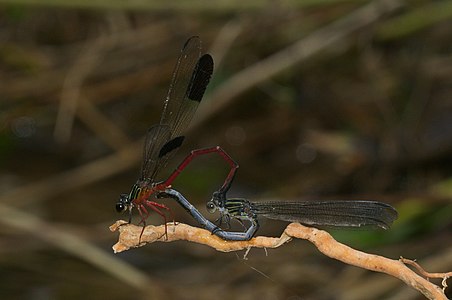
<point x="343" y="99"/>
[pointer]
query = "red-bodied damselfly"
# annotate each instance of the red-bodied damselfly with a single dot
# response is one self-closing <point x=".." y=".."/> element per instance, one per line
<point x="190" y="79"/>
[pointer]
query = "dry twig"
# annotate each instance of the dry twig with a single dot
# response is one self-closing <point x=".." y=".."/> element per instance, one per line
<point x="129" y="238"/>
<point x="426" y="274"/>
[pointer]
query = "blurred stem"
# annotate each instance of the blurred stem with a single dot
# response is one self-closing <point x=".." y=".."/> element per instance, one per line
<point x="303" y="49"/>
<point x="414" y="20"/>
<point x="196" y="5"/>
<point x="81" y="248"/>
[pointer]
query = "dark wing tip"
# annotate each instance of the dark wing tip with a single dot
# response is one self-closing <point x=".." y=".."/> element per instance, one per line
<point x="171" y="145"/>
<point x="201" y="77"/>
<point x="384" y="215"/>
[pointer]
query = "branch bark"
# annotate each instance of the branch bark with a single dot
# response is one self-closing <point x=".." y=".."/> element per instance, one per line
<point x="129" y="237"/>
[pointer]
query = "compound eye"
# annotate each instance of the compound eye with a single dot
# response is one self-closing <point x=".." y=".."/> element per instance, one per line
<point x="211" y="208"/>
<point x="120" y="207"/>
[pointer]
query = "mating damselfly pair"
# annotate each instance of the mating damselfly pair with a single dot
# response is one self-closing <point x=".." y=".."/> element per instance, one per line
<point x="190" y="79"/>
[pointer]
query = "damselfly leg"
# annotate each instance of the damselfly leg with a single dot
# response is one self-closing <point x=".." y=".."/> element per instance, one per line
<point x="144" y="214"/>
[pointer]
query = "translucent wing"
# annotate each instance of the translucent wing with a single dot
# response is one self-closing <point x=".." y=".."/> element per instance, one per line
<point x="341" y="213"/>
<point x="157" y="136"/>
<point x="190" y="79"/>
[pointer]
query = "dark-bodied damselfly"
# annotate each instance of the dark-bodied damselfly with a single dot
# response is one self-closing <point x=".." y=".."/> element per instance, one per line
<point x="330" y="213"/>
<point x="327" y="213"/>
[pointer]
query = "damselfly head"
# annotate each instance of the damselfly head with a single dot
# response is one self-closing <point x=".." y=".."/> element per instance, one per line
<point x="123" y="203"/>
<point x="213" y="204"/>
<point x="211" y="207"/>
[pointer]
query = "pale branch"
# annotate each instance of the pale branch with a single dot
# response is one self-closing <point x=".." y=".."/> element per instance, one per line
<point x="443" y="276"/>
<point x="129" y="237"/>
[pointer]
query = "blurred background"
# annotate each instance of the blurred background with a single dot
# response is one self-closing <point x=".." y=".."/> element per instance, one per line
<point x="314" y="99"/>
